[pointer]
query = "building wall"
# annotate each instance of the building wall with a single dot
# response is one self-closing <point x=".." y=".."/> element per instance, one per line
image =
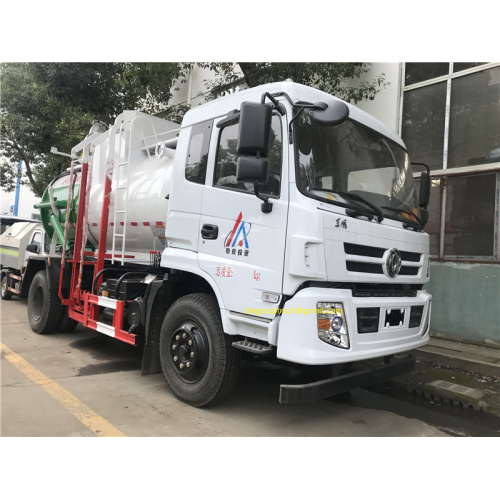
<point x="26" y="201"/>
<point x="466" y="295"/>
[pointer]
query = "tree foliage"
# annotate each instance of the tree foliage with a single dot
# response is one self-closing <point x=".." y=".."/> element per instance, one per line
<point x="343" y="80"/>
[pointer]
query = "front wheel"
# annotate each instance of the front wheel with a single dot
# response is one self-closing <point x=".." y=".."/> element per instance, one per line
<point x="44" y="306"/>
<point x="6" y="293"/>
<point x="197" y="358"/>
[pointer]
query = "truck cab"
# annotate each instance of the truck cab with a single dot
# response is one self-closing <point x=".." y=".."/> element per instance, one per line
<point x="23" y="246"/>
<point x="332" y="269"/>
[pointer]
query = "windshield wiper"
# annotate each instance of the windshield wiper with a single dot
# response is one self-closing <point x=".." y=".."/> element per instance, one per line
<point x="408" y="212"/>
<point x="376" y="210"/>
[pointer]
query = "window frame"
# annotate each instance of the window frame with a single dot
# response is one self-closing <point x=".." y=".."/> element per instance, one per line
<point x="207" y="134"/>
<point x="446" y="171"/>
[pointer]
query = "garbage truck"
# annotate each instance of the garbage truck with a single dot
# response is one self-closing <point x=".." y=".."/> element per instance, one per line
<point x="23" y="247"/>
<point x="278" y="221"/>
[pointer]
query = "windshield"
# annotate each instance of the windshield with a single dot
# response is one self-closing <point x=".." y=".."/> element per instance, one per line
<point x="336" y="162"/>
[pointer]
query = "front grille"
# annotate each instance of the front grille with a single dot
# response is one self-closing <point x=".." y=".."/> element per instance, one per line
<point x="408" y="271"/>
<point x="365" y="251"/>
<point x="384" y="293"/>
<point x="356" y="264"/>
<point x="364" y="267"/>
<point x="416" y="316"/>
<point x="368" y="318"/>
<point x="410" y="256"/>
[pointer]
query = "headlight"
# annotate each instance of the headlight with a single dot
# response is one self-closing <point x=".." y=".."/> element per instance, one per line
<point x="332" y="325"/>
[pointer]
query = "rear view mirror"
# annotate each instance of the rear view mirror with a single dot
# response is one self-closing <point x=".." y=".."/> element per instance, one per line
<point x="425" y="185"/>
<point x="32" y="248"/>
<point x="255" y="129"/>
<point x="252" y="169"/>
<point x="253" y="141"/>
<point x="330" y="113"/>
<point x="425" y="190"/>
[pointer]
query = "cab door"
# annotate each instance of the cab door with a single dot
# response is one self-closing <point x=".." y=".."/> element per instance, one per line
<point x="241" y="247"/>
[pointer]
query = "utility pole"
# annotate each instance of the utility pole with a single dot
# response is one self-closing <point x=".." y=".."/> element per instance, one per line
<point x="18" y="186"/>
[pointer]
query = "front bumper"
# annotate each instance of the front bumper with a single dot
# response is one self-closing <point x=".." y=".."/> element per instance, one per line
<point x="307" y="393"/>
<point x="298" y="339"/>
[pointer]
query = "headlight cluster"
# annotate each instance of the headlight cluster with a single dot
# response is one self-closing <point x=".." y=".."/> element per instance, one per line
<point x="332" y="324"/>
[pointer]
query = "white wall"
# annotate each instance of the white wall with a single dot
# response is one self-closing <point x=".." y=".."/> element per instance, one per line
<point x="26" y="201"/>
<point x="385" y="106"/>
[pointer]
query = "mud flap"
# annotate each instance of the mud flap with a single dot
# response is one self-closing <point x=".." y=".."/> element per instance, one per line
<point x="307" y="393"/>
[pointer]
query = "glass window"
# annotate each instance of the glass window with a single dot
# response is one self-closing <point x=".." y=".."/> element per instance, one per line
<point x="423" y="124"/>
<point x="475" y="119"/>
<point x="196" y="165"/>
<point x="46" y="243"/>
<point x="37" y="239"/>
<point x="470" y="212"/>
<point x="343" y="162"/>
<point x="419" y="72"/>
<point x="227" y="156"/>
<point x="461" y="66"/>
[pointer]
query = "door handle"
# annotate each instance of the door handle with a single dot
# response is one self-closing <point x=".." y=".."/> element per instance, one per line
<point x="209" y="232"/>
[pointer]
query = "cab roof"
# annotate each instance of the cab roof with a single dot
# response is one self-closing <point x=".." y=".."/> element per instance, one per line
<point x="297" y="92"/>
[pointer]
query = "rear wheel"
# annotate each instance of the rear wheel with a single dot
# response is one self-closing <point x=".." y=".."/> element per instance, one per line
<point x="44" y="306"/>
<point x="66" y="324"/>
<point x="6" y="293"/>
<point x="197" y="358"/>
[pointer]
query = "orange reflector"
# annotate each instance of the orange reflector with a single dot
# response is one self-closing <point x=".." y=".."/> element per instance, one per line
<point x="324" y="323"/>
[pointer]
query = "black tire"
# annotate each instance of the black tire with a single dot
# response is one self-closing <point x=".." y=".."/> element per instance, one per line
<point x="44" y="306"/>
<point x="6" y="293"/>
<point x="202" y="372"/>
<point x="66" y="324"/>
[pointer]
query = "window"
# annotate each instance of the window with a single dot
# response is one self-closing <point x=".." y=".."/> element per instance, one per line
<point x="46" y="243"/>
<point x="196" y="165"/>
<point x="225" y="167"/>
<point x="451" y="121"/>
<point x="37" y="239"/>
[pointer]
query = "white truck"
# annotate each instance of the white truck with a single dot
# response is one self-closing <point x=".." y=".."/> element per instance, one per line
<point x="276" y="221"/>
<point x="20" y="243"/>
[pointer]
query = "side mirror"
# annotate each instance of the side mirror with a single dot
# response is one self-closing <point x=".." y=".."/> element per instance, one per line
<point x="425" y="185"/>
<point x="330" y="113"/>
<point x="252" y="170"/>
<point x="255" y="129"/>
<point x="32" y="248"/>
<point x="253" y="141"/>
<point x="424" y="215"/>
<point x="425" y="190"/>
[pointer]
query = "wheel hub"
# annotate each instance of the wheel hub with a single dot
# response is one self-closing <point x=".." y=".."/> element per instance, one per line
<point x="189" y="351"/>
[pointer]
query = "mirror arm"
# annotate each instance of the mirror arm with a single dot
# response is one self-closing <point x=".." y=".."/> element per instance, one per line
<point x="277" y="105"/>
<point x="290" y="134"/>
<point x="267" y="206"/>
<point x="422" y="165"/>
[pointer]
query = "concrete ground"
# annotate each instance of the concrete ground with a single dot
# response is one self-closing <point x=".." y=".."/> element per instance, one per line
<point x="86" y="384"/>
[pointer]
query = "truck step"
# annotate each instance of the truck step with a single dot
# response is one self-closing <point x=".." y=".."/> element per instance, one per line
<point x="253" y="347"/>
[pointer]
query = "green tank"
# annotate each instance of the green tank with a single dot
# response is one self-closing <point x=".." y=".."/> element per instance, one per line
<point x="53" y="207"/>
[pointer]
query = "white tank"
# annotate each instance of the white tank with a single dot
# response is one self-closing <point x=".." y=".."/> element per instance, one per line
<point x="140" y="185"/>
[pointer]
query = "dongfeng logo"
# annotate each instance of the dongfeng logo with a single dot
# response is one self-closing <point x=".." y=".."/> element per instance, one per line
<point x="392" y="264"/>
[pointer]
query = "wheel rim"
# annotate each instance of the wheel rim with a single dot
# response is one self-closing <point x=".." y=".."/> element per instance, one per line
<point x="37" y="303"/>
<point x="4" y="286"/>
<point x="189" y="351"/>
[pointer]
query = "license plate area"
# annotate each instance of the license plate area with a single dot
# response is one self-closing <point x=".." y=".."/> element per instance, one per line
<point x="394" y="317"/>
